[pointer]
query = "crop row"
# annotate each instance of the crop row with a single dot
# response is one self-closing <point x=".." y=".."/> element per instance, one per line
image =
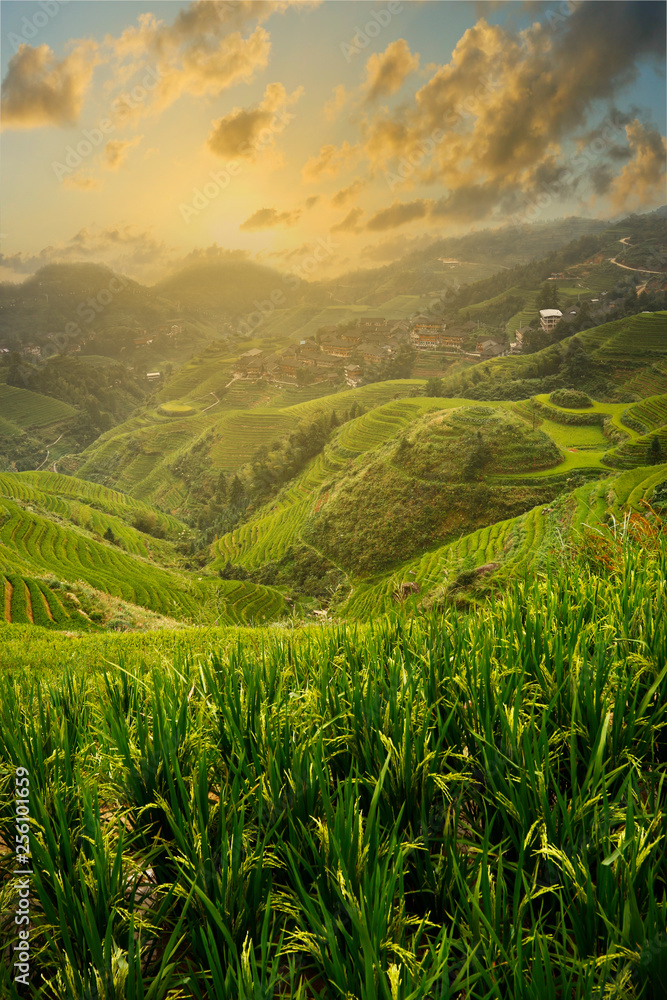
<point x="648" y="414"/>
<point x="642" y="333"/>
<point x="31" y="409"/>
<point x="31" y="601"/>
<point x="639" y="451"/>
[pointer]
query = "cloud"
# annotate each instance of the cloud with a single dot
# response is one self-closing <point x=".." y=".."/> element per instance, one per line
<point x="82" y="182"/>
<point x="341" y="197"/>
<point x="126" y="249"/>
<point x="641" y="182"/>
<point x="328" y="162"/>
<point x="245" y="131"/>
<point x="204" y="51"/>
<point x="40" y="90"/>
<point x="507" y="109"/>
<point x="210" y="46"/>
<point x="334" y="107"/>
<point x="349" y="223"/>
<point x="387" y="71"/>
<point x="116" y="150"/>
<point x="398" y="214"/>
<point x="312" y="201"/>
<point x="269" y="218"/>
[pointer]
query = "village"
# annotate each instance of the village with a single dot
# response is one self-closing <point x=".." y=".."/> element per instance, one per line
<point x="358" y="351"/>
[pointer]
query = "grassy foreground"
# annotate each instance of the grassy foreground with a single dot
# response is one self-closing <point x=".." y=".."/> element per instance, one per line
<point x="430" y="807"/>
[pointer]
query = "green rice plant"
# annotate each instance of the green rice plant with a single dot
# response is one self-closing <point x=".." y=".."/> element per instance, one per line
<point x="88" y="892"/>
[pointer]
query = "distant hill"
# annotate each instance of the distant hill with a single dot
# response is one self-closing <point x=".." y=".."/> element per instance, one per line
<point x="453" y="262"/>
<point x="230" y="287"/>
<point x="74" y="555"/>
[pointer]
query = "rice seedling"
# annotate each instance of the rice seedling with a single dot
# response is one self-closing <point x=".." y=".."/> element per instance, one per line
<point x="428" y="806"/>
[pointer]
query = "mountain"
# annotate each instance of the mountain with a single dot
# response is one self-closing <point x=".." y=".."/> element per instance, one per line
<point x="230" y="288"/>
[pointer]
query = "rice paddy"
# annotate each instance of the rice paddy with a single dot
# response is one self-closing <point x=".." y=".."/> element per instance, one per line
<point x="425" y="808"/>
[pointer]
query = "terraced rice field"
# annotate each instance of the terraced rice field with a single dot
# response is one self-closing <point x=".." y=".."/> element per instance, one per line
<point x="517" y="545"/>
<point x="636" y="452"/>
<point x="31" y="409"/>
<point x="52" y="532"/>
<point x="651" y="381"/>
<point x="30" y="601"/>
<point x="644" y="333"/>
<point x="650" y="413"/>
<point x="240" y="433"/>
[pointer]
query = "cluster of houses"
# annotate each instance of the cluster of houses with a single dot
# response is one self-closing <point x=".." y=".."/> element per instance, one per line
<point x="373" y="340"/>
<point x="330" y="354"/>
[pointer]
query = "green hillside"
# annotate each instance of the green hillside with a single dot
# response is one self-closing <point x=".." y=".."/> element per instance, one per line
<point x="411" y="474"/>
<point x="28" y="409"/>
<point x="467" y="804"/>
<point x="140" y="456"/>
<point x="619" y="360"/>
<point x="64" y="544"/>
<point x="488" y="559"/>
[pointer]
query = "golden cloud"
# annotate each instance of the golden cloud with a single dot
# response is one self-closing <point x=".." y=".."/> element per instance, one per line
<point x="328" y="162"/>
<point x="269" y="218"/>
<point x="81" y="182"/>
<point x="387" y="71"/>
<point x="350" y="223"/>
<point x="41" y="90"/>
<point x="398" y="214"/>
<point x="341" y="197"/>
<point x="641" y="182"/>
<point x="245" y="131"/>
<point x="334" y="107"/>
<point x="116" y="150"/>
<point x="495" y="123"/>
<point x="204" y="51"/>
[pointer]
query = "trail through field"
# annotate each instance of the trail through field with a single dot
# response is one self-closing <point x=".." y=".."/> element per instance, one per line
<point x="212" y="404"/>
<point x="48" y="451"/>
<point x="644" y="270"/>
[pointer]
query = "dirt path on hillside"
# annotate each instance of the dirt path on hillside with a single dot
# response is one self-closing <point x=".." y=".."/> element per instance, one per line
<point x="212" y="404"/>
<point x="626" y="267"/>
<point x="48" y="451"/>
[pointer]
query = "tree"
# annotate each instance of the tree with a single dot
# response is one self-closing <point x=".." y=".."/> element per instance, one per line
<point x="577" y="363"/>
<point x="535" y="340"/>
<point x="236" y="492"/>
<point x="434" y="387"/>
<point x="547" y="297"/>
<point x="654" y="453"/>
<point x="478" y="456"/>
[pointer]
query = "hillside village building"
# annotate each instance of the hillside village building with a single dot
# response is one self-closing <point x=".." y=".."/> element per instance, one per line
<point x="489" y="348"/>
<point x="549" y="318"/>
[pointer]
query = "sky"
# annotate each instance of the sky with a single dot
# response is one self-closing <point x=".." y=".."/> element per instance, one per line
<point x="148" y="134"/>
